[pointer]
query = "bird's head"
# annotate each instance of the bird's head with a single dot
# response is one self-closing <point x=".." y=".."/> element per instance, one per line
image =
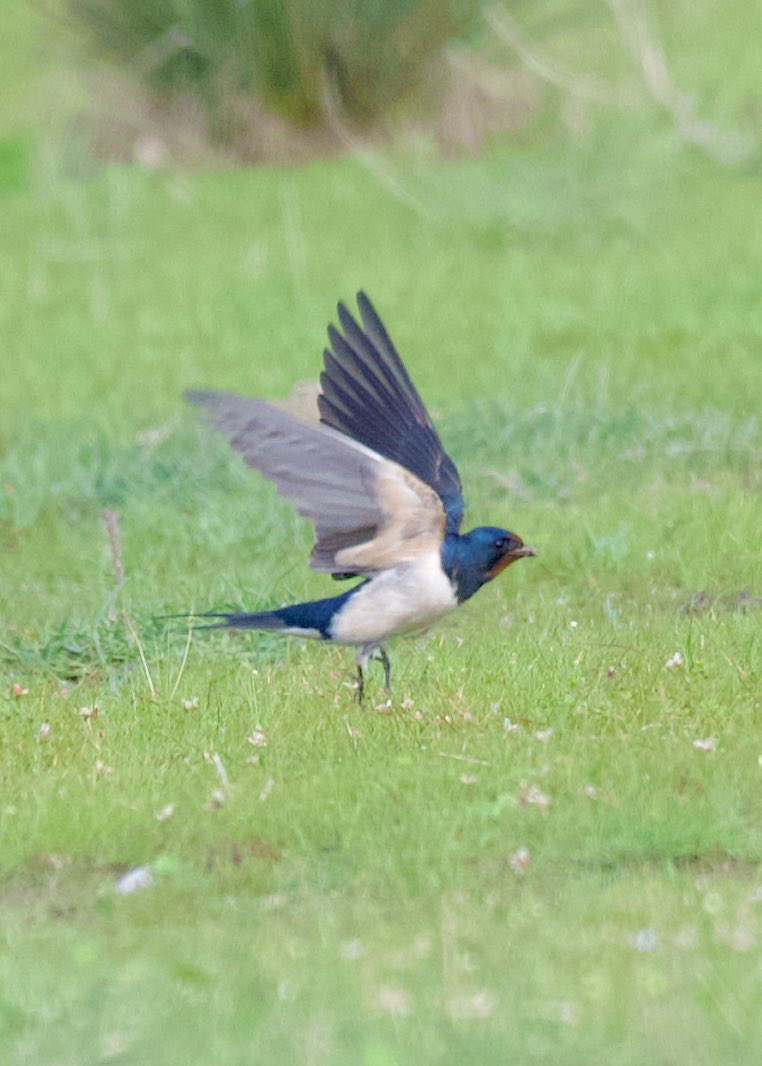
<point x="493" y="549"/>
<point x="478" y="556"/>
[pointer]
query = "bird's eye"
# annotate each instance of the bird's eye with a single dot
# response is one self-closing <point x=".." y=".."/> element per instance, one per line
<point x="500" y="542"/>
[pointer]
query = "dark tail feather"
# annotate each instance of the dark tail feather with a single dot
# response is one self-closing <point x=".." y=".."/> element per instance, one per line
<point x="313" y="619"/>
<point x="257" y="620"/>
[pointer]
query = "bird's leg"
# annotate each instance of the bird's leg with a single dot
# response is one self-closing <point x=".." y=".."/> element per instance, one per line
<point x="383" y="658"/>
<point x="361" y="658"/>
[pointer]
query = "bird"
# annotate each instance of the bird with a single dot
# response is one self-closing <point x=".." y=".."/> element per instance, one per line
<point x="366" y="466"/>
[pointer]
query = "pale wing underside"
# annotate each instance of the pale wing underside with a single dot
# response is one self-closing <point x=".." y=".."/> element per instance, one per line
<point x="369" y="512"/>
<point x="301" y="402"/>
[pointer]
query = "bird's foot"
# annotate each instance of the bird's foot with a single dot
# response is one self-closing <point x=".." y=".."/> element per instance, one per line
<point x="364" y="655"/>
<point x="383" y="658"/>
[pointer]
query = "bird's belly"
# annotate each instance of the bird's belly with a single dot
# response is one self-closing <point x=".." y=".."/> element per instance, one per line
<point x="401" y="600"/>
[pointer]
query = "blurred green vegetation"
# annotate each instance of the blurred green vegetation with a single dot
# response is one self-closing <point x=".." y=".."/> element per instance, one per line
<point x="478" y="71"/>
<point x="365" y="54"/>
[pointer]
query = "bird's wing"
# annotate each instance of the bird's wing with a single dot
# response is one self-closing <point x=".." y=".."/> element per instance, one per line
<point x="367" y="394"/>
<point x="369" y="513"/>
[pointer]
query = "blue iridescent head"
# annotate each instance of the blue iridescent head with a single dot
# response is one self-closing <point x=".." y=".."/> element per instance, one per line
<point x="479" y="556"/>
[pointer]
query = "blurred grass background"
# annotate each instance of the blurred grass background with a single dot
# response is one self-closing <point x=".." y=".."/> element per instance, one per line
<point x="559" y="221"/>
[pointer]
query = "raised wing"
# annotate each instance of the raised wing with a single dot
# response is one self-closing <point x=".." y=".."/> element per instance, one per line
<point x="367" y="394"/>
<point x="369" y="513"/>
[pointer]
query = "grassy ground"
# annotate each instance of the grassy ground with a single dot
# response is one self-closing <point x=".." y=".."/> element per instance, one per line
<point x="548" y="847"/>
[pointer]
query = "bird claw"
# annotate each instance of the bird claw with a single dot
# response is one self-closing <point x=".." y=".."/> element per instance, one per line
<point x="380" y="656"/>
<point x="383" y="658"/>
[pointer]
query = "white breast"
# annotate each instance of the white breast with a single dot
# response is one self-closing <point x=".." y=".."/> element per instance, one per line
<point x="399" y="600"/>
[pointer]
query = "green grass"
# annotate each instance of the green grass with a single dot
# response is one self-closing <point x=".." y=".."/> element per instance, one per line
<point x="584" y="320"/>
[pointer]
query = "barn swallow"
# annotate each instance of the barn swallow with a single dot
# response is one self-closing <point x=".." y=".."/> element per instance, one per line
<point x="369" y="471"/>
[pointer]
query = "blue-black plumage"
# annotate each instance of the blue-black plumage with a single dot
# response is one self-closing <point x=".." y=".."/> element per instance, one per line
<point x="311" y="619"/>
<point x="369" y="470"/>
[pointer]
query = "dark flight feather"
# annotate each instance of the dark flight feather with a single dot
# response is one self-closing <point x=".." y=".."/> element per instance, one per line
<point x="368" y="395"/>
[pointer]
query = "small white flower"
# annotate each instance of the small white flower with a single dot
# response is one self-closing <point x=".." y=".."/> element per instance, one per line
<point x="258" y="738"/>
<point x="704" y="745"/>
<point x="215" y="801"/>
<point x="674" y="660"/>
<point x="645" y="940"/>
<point x="136" y="878"/>
<point x="532" y="796"/>
<point x="519" y="860"/>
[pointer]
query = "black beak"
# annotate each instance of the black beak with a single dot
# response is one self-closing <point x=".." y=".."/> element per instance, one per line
<point x="524" y="552"/>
